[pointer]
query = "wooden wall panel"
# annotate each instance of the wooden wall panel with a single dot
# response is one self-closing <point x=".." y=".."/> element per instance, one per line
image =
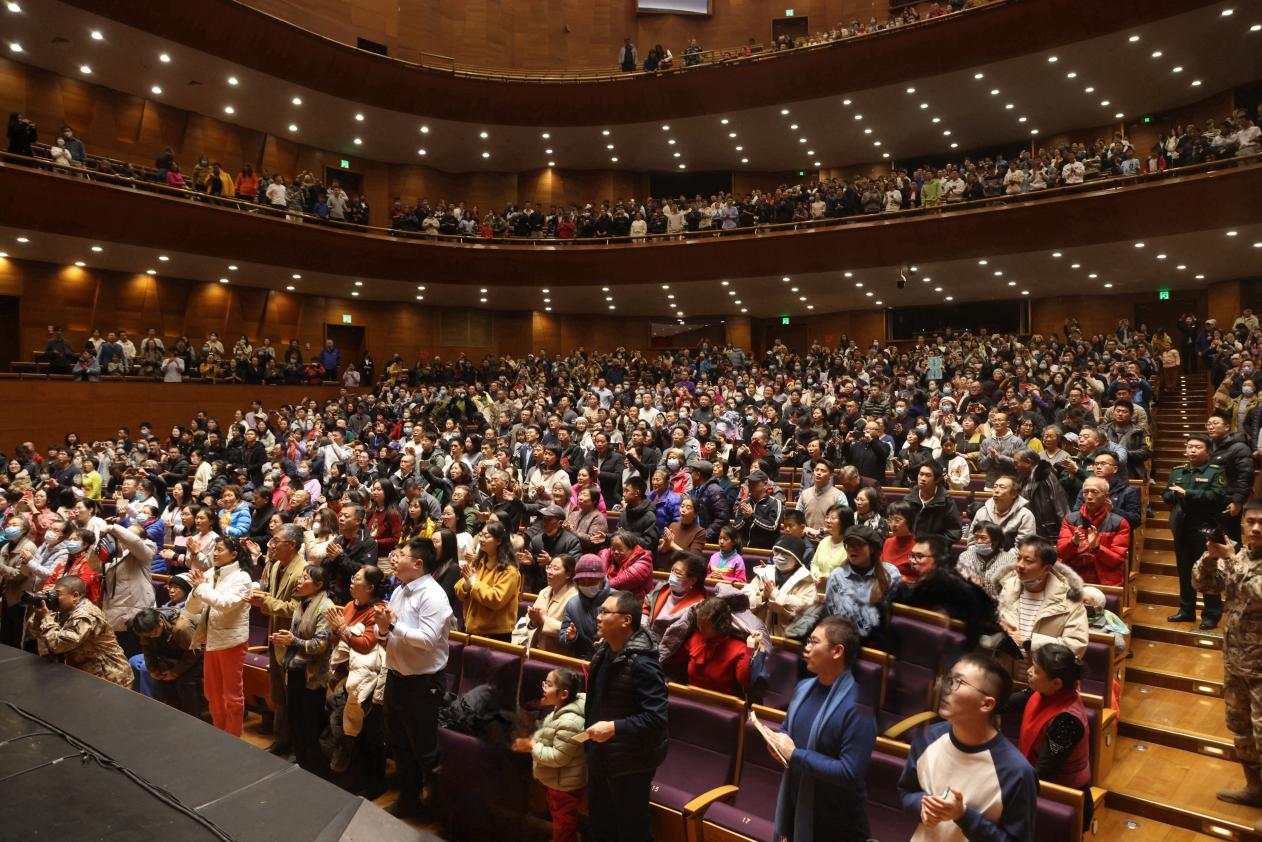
<point x="44" y="411"/>
<point x="1224" y="302"/>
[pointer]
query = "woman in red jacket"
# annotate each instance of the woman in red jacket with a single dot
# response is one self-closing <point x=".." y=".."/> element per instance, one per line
<point x="629" y="566"/>
<point x="718" y="660"/>
<point x="384" y="523"/>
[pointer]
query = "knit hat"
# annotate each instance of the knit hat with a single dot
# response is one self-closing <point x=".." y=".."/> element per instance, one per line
<point x="181" y="581"/>
<point x="590" y="566"/>
<point x="793" y="545"/>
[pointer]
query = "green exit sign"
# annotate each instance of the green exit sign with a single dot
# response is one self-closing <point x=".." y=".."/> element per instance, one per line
<point x="346" y="318"/>
<point x="788" y="13"/>
<point x="801" y="172"/>
<point x="784" y="320"/>
<point x="1163" y="295"/>
<point x="346" y="165"/>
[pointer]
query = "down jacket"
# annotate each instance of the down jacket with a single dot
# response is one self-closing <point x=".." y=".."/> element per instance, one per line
<point x="1106" y="564"/>
<point x="1062" y="618"/>
<point x="1018" y="523"/>
<point x="559" y="762"/>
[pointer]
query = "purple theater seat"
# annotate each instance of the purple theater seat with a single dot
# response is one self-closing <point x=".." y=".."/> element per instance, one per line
<point x="918" y="649"/>
<point x="1099" y="661"/>
<point x="885" y="809"/>
<point x="703" y="740"/>
<point x="534" y="671"/>
<point x="485" y="788"/>
<point x="161" y="595"/>
<point x="522" y="605"/>
<point x="1056" y="822"/>
<point x="868" y="676"/>
<point x="1113" y="602"/>
<point x="455" y="657"/>
<point x="483" y="665"/>
<point x="782" y="670"/>
<point x="752" y="812"/>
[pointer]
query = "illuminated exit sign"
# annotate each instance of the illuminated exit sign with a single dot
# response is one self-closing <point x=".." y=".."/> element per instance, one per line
<point x="1163" y="295"/>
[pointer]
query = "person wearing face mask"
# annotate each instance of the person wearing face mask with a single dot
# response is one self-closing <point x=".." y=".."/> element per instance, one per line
<point x="15" y="555"/>
<point x="984" y="556"/>
<point x="578" y="621"/>
<point x="781" y="592"/>
<point x="1040" y="601"/>
<point x="670" y="600"/>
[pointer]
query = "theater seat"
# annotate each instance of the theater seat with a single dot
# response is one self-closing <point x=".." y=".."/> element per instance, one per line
<point x="752" y="811"/>
<point x="705" y="738"/>
<point x="455" y="658"/>
<point x="916" y="654"/>
<point x="481" y="664"/>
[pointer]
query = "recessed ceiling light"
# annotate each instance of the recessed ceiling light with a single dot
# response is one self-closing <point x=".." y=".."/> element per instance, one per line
<point x="296" y="276"/>
<point x="1034" y="131"/>
<point x="156" y="90"/>
<point x="1104" y="103"/>
<point x="354" y="292"/>
<point x="818" y="164"/>
<point x="1052" y="59"/>
<point x="359" y="118"/>
<point x="869" y="293"/>
<point x="671" y="141"/>
<point x="954" y="145"/>
<point x="1176" y="69"/>
<point x="1257" y="27"/>
<point x="424" y="129"/>
<point x="1229" y="234"/>
<point x="1161" y="257"/>
<point x="1093" y="275"/>
<point x="228" y="109"/>
<point x="740" y="148"/>
<point x="293" y="127"/>
<point x="605" y="132"/>
<point x="483" y="135"/>
<point x="1200" y="277"/>
<point x="858" y="284"/>
<point x="785" y="279"/>
<point x="232" y="80"/>
<point x="1056" y="254"/>
<point x="1025" y="292"/>
<point x="1119" y="115"/>
<point x="547" y="151"/>
<point x="483" y="300"/>
<point x="683" y="166"/>
<point x="164" y="58"/>
<point x="1181" y="267"/>
<point x="879" y="303"/>
<point x="924" y="105"/>
<point x="552" y="163"/>
<point x="359" y="283"/>
<point x="85" y="70"/>
<point x="1009" y="106"/>
<point x="946" y="133"/>
<point x="812" y="151"/>
<point x="876" y="143"/>
<point x="1227" y="12"/>
<point x="609" y="146"/>
<point x="24" y="239"/>
<point x="1196" y="83"/>
<point x="744" y="309"/>
<point x="979" y="75"/>
<point x="1133" y="38"/>
<point x="1257" y="245"/>
<point x="1157" y="54"/>
<point x="885" y="154"/>
<point x="3" y="254"/>
<point x="223" y="280"/>
<point x="937" y="120"/>
<point x="867" y="131"/>
<point x="1108" y="286"/>
<point x="1071" y="75"/>
<point x="486" y="154"/>
<point x="422" y="288"/>
<point x="545" y="135"/>
<point x="162" y="258"/>
<point x="1022" y="119"/>
<point x="614" y="159"/>
<point x="998" y="273"/>
<point x="678" y="154"/>
<point x="291" y="288"/>
<point x="724" y="121"/>
<point x="97" y="249"/>
<point x="937" y="289"/>
<point x="1075" y="266"/>
<point x="1012" y="283"/>
<point x="994" y="92"/>
<point x="80" y="264"/>
<point x="1090" y="89"/>
<point x="155" y="271"/>
<point x="298" y="101"/>
<point x="784" y="111"/>
<point x="15" y="46"/>
<point x="13" y="7"/>
<point x="1139" y="245"/>
<point x="983" y="262"/>
<point x="359" y="141"/>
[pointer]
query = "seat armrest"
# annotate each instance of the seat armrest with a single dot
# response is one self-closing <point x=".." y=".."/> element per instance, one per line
<point x="256" y="649"/>
<point x="900" y="728"/>
<point x="705" y="799"/>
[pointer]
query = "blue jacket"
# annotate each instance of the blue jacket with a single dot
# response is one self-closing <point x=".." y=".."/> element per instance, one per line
<point x="824" y="788"/>
<point x="238" y="521"/>
<point x="666" y="507"/>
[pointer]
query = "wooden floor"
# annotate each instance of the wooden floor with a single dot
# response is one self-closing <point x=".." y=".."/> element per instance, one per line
<point x="1206" y="664"/>
<point x="1179" y="778"/>
<point x="1186" y="712"/>
<point x="1119" y="826"/>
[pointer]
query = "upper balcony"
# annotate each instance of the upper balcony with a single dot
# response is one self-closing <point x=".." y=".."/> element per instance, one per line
<point x="1030" y="244"/>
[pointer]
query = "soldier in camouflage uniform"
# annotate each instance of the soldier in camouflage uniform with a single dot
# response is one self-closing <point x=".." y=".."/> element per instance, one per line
<point x="1236" y="574"/>
<point x="1197" y="493"/>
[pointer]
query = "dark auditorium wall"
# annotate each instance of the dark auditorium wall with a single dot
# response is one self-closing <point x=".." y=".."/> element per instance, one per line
<point x="532" y="35"/>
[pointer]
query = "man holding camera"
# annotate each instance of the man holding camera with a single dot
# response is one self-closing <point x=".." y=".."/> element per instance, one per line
<point x="64" y="622"/>
<point x="1197" y="493"/>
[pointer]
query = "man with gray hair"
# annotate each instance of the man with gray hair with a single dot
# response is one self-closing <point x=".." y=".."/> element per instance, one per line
<point x="285" y="562"/>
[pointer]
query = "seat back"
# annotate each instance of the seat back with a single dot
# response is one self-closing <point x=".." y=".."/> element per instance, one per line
<point x="1099" y="662"/>
<point x="1057" y="822"/>
<point x="704" y="747"/>
<point x="911" y="686"/>
<point x="783" y="672"/>
<point x="886" y="817"/>
<point x="455" y="659"/>
<point x="484" y="665"/>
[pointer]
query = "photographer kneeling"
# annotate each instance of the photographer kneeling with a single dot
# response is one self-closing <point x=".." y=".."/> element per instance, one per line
<point x="77" y="631"/>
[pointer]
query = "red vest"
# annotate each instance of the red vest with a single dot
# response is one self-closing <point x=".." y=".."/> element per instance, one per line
<point x="1040" y="710"/>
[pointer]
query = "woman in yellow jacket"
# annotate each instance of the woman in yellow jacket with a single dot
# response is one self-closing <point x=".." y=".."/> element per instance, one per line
<point x="490" y="587"/>
<point x="1242" y="408"/>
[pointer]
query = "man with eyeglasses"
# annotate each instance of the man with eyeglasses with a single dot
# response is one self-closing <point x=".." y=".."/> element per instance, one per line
<point x="278" y="602"/>
<point x="827" y="740"/>
<point x="626" y="722"/>
<point x="963" y="778"/>
<point x="1124" y="497"/>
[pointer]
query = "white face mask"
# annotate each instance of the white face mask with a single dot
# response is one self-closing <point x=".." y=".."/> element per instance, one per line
<point x="589" y="591"/>
<point x="784" y="562"/>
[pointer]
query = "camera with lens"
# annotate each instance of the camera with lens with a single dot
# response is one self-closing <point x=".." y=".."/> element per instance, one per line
<point x="46" y="598"/>
<point x="1214" y="532"/>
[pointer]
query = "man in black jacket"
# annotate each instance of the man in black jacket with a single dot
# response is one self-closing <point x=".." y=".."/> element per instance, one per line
<point x="609" y="464"/>
<point x="1232" y="453"/>
<point x="626" y="722"/>
<point x="713" y="507"/>
<point x="638" y="515"/>
<point x="936" y="511"/>
<point x="867" y="452"/>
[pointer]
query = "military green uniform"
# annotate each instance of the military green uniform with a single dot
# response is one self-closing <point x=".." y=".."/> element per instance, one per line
<point x="1238" y="581"/>
<point x="1207" y="496"/>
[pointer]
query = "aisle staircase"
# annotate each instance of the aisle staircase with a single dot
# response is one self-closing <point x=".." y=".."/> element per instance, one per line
<point x="1173" y="750"/>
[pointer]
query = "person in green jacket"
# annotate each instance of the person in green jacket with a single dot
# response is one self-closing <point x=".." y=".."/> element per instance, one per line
<point x="559" y="761"/>
<point x="1197" y="493"/>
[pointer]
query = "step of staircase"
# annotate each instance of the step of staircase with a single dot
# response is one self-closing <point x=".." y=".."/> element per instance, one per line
<point x="1114" y="824"/>
<point x="1174" y="667"/>
<point x="1173" y="717"/>
<point x="1176" y="787"/>
<point x="1148" y="622"/>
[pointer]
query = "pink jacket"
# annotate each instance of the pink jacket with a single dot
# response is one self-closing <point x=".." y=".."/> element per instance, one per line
<point x="635" y="574"/>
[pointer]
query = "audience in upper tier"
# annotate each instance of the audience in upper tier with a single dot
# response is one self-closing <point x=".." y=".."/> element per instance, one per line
<point x="309" y="499"/>
<point x="1024" y="172"/>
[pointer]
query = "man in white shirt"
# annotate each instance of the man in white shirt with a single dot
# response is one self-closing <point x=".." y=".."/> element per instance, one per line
<point x="414" y="629"/>
<point x="333" y="452"/>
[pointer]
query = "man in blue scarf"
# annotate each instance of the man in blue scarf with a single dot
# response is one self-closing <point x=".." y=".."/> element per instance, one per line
<point x="827" y="739"/>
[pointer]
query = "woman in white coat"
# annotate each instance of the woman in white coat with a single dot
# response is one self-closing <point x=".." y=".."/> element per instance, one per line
<point x="219" y="604"/>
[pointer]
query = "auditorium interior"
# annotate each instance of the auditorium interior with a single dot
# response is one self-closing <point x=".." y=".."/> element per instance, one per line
<point x="293" y="260"/>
